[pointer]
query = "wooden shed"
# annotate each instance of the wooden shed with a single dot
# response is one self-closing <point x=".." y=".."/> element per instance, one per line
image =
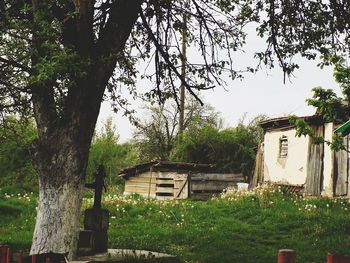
<point x="171" y="180"/>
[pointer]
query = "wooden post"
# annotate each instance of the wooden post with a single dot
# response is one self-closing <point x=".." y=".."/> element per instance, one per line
<point x="20" y="257"/>
<point x="286" y="256"/>
<point x="4" y="250"/>
<point x="337" y="258"/>
<point x="8" y="255"/>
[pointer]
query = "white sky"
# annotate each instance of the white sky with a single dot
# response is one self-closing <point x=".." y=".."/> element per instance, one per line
<point x="260" y="93"/>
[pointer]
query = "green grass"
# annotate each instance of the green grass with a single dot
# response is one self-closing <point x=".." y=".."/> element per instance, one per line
<point x="17" y="219"/>
<point x="243" y="228"/>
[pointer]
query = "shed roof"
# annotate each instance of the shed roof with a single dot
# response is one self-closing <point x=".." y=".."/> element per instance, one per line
<point x="283" y="122"/>
<point x="166" y="166"/>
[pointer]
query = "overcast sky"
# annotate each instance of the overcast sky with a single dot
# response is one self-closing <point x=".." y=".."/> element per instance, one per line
<point x="260" y="93"/>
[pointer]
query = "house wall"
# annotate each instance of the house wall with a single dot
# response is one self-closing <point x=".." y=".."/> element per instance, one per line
<point x="291" y="169"/>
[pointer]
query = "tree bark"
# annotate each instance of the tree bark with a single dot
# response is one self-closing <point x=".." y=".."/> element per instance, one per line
<point x="57" y="224"/>
<point x="61" y="167"/>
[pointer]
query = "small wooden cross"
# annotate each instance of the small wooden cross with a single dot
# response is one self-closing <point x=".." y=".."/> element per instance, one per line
<point x="98" y="185"/>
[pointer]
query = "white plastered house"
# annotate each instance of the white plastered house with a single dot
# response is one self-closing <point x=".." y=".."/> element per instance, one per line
<point x="286" y="159"/>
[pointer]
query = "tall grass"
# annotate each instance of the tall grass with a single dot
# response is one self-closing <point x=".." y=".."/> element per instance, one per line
<point x="236" y="227"/>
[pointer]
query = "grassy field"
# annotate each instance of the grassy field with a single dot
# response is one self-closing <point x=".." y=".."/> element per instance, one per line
<point x="237" y="227"/>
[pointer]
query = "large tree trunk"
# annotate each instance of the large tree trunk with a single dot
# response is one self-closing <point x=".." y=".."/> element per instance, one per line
<point x="61" y="169"/>
<point x="57" y="224"/>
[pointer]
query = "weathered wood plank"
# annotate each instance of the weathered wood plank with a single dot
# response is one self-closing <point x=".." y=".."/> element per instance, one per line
<point x="181" y="185"/>
<point x="341" y="170"/>
<point x="141" y="180"/>
<point x="258" y="177"/>
<point x="166" y="175"/>
<point x="144" y="188"/>
<point x="145" y="195"/>
<point x="143" y="185"/>
<point x="211" y="185"/>
<point x="314" y="174"/>
<point x="217" y="177"/>
<point x="139" y="190"/>
<point x="180" y="177"/>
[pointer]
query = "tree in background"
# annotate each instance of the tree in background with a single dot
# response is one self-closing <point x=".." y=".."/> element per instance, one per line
<point x="16" y="136"/>
<point x="106" y="150"/>
<point x="155" y="137"/>
<point x="232" y="150"/>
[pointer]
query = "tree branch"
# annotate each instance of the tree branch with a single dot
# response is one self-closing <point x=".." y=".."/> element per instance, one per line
<point x="14" y="64"/>
<point x="166" y="57"/>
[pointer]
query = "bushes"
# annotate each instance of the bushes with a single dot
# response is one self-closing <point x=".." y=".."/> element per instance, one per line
<point x="16" y="136"/>
<point x="232" y="150"/>
<point x="114" y="156"/>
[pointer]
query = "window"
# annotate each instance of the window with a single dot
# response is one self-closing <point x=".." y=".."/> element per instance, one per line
<point x="283" y="147"/>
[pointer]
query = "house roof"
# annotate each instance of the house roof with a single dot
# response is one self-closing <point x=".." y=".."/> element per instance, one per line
<point x="166" y="166"/>
<point x="283" y="122"/>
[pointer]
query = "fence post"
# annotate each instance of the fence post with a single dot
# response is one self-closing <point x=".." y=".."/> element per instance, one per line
<point x="20" y="257"/>
<point x="337" y="258"/>
<point x="8" y="252"/>
<point x="286" y="256"/>
<point x="4" y="250"/>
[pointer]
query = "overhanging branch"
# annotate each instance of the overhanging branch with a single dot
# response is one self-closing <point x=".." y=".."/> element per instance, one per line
<point x="14" y="64"/>
<point x="166" y="58"/>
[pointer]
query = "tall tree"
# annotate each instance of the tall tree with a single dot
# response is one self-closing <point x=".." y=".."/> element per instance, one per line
<point x="157" y="135"/>
<point x="58" y="56"/>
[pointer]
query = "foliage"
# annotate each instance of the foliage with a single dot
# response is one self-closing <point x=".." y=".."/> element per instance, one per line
<point x="155" y="137"/>
<point x="237" y="227"/>
<point x="232" y="150"/>
<point x="17" y="215"/>
<point x="330" y="106"/>
<point x="306" y="29"/>
<point x="16" y="137"/>
<point x="106" y="150"/>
